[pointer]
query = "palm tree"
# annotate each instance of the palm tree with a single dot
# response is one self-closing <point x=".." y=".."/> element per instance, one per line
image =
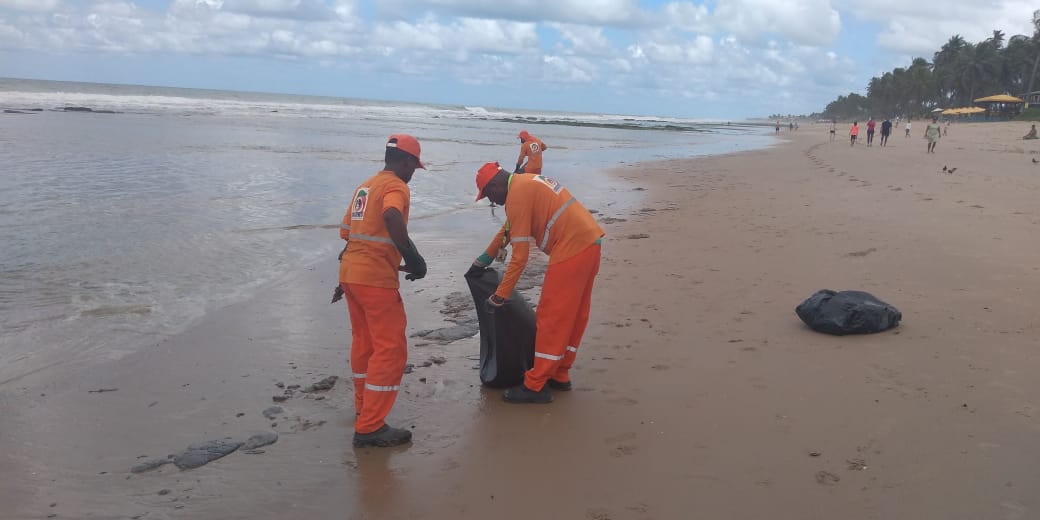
<point x="944" y="63"/>
<point x="1036" y="61"/>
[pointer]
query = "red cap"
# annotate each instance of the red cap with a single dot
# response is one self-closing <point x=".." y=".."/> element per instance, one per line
<point x="405" y="143"/>
<point x="484" y="176"/>
<point x="524" y="135"/>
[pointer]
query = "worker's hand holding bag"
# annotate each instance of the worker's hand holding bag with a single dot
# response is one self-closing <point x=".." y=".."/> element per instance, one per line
<point x="414" y="263"/>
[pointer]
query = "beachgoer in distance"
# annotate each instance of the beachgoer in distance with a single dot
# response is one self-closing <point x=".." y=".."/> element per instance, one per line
<point x="870" y="131"/>
<point x="907" y="129"/>
<point x="777" y="127"/>
<point x="531" y="148"/>
<point x="946" y="128"/>
<point x="932" y="132"/>
<point x="376" y="230"/>
<point x="541" y="212"/>
<point x="853" y="132"/>
<point x="834" y="123"/>
<point x="1031" y="134"/>
<point x="886" y="130"/>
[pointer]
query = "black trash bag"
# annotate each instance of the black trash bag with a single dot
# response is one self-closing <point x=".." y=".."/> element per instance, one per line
<point x="847" y="312"/>
<point x="506" y="334"/>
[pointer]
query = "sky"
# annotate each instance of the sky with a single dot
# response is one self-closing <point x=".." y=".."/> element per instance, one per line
<point x="720" y="59"/>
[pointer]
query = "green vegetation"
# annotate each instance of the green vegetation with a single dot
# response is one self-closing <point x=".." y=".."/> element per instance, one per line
<point x="958" y="73"/>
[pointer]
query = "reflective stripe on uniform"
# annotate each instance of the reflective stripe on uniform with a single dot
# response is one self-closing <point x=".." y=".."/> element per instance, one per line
<point x="344" y="226"/>
<point x="572" y="349"/>
<point x="376" y="388"/>
<point x="370" y="238"/>
<point x="549" y="225"/>
<point x="522" y="239"/>
<point x="548" y="356"/>
<point x="360" y="376"/>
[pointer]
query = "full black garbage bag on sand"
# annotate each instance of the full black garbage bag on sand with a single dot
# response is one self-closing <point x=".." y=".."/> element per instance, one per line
<point x="506" y="335"/>
<point x="847" y="312"/>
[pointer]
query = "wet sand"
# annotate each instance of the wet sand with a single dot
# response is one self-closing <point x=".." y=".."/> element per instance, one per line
<point x="699" y="394"/>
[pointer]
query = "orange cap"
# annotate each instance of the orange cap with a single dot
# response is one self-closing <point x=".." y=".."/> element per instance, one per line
<point x="524" y="135"/>
<point x="484" y="176"/>
<point x="405" y="143"/>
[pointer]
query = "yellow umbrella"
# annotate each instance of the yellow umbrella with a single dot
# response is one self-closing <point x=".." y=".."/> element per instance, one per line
<point x="1000" y="98"/>
<point x="973" y="110"/>
<point x="951" y="111"/>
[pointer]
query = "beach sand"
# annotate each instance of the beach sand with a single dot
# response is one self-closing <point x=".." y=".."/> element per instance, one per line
<point x="698" y="392"/>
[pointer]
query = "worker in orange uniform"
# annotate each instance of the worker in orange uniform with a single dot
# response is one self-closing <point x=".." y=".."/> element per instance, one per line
<point x="540" y="211"/>
<point x="531" y="148"/>
<point x="376" y="230"/>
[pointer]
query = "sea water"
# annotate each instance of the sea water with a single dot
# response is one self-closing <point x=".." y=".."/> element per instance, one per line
<point x="126" y="223"/>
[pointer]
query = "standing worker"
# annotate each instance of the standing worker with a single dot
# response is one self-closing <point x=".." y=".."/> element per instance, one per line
<point x="376" y="230"/>
<point x="531" y="147"/>
<point x="540" y="211"/>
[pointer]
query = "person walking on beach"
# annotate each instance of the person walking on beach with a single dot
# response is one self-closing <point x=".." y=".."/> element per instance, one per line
<point x="886" y="130"/>
<point x="834" y="123"/>
<point x="541" y="212"/>
<point x="376" y="230"/>
<point x="932" y="133"/>
<point x="870" y="131"/>
<point x="777" y="127"/>
<point x="907" y="129"/>
<point x="531" y="148"/>
<point x="853" y="132"/>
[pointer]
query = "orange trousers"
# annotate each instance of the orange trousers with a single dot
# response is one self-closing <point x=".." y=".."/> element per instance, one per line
<point x="562" y="315"/>
<point x="378" y="351"/>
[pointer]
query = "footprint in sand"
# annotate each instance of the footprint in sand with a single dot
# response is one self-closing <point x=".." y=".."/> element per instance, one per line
<point x="623" y="450"/>
<point x="597" y="514"/>
<point x="826" y="478"/>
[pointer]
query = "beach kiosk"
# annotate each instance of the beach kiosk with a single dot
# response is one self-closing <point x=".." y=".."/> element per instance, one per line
<point x="1001" y="106"/>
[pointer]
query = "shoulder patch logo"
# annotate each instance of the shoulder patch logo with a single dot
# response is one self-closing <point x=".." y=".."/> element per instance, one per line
<point x="357" y="209"/>
<point x="553" y="185"/>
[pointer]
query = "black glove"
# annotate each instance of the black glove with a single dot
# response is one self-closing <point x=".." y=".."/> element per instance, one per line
<point x="337" y="295"/>
<point x="475" y="271"/>
<point x="414" y="263"/>
<point x="340" y="257"/>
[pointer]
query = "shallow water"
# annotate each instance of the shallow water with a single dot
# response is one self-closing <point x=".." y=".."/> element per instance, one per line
<point x="119" y="229"/>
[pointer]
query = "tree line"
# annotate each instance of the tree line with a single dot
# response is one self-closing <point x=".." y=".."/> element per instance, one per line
<point x="959" y="73"/>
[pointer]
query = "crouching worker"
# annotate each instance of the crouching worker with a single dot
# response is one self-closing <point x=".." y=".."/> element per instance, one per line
<point x="540" y="212"/>
<point x="376" y="230"/>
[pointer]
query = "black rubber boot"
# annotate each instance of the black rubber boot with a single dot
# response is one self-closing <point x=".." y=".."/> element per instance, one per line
<point x="561" y="386"/>
<point x="522" y="394"/>
<point x="384" y="437"/>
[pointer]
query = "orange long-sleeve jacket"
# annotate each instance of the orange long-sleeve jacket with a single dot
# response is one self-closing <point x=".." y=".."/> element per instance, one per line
<point x="531" y="149"/>
<point x="540" y="211"/>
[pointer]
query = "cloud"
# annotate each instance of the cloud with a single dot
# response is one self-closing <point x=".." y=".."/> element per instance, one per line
<point x="918" y="29"/>
<point x="622" y="13"/>
<point x="30" y="5"/>
<point x="291" y="9"/>
<point x="462" y="35"/>
<point x="584" y="40"/>
<point x="809" y="22"/>
<point x="688" y="16"/>
<point x="569" y="69"/>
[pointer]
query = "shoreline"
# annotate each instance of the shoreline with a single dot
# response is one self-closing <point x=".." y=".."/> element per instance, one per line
<point x="698" y="392"/>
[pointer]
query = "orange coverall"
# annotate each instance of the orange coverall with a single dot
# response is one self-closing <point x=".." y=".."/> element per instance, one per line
<point x="532" y="149"/>
<point x="541" y="211"/>
<point x="368" y="274"/>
